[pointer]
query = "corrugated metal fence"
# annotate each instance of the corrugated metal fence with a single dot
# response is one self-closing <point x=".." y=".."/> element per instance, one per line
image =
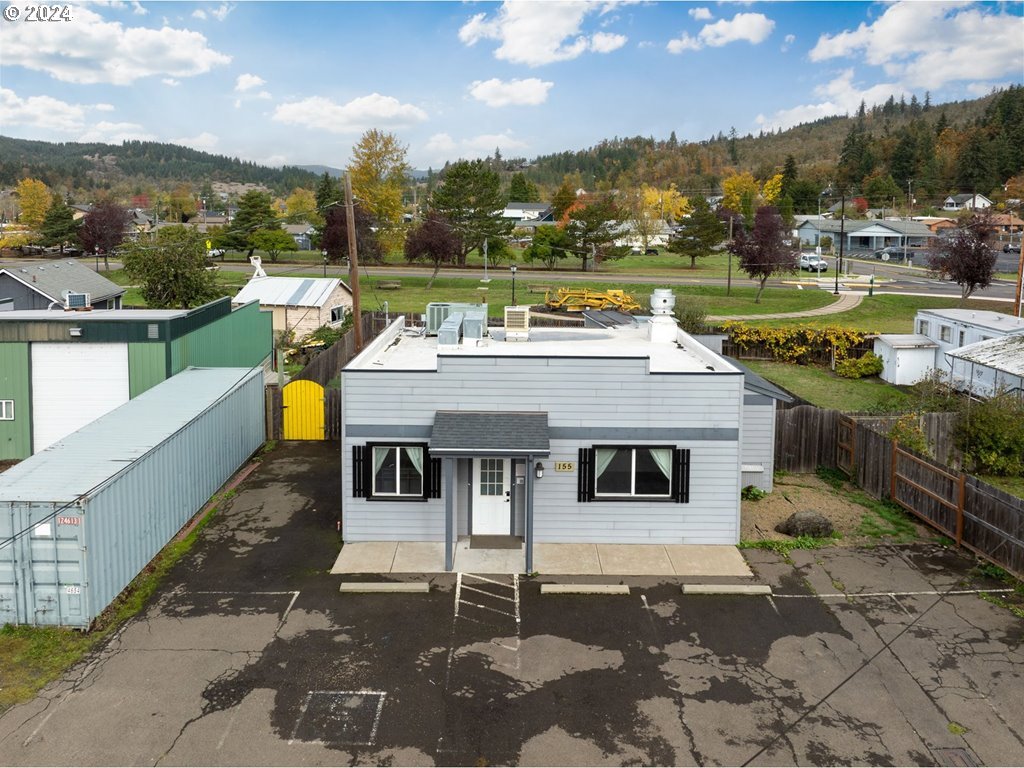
<point x="323" y="369"/>
<point x="976" y="515"/>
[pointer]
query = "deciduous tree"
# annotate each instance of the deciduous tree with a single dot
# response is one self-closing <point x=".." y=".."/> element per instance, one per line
<point x="434" y="240"/>
<point x="273" y="242"/>
<point x="302" y="207"/>
<point x="34" y="200"/>
<point x="171" y="271"/>
<point x="701" y="231"/>
<point x="59" y="226"/>
<point x="736" y="189"/>
<point x="550" y="245"/>
<point x="378" y="170"/>
<point x="335" y="235"/>
<point x="104" y="228"/>
<point x="470" y="199"/>
<point x="761" y="251"/>
<point x="563" y="199"/>
<point x="965" y="257"/>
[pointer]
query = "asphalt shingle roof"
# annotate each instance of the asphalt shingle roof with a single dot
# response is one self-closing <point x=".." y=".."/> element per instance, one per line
<point x="489" y="432"/>
<point x="55" y="278"/>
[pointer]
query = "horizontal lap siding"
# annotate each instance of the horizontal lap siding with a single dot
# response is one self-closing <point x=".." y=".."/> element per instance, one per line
<point x="582" y="393"/>
<point x="759" y="443"/>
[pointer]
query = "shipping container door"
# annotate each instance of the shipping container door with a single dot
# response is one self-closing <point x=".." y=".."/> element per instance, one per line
<point x="74" y="384"/>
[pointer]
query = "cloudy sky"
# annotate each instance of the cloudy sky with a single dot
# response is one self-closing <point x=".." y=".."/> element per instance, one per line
<point x="297" y="83"/>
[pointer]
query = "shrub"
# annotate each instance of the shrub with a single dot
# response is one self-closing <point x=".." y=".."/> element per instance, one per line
<point x="868" y="364"/>
<point x="798" y="343"/>
<point x="990" y="435"/>
<point x="692" y="314"/>
<point x="908" y="433"/>
<point x="752" y="493"/>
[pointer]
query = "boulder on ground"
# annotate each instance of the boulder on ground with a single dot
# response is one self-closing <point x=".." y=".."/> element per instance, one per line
<point x="806" y="524"/>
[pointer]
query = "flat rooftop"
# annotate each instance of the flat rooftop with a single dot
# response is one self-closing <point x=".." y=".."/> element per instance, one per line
<point x="58" y="315"/>
<point x="982" y="318"/>
<point x="401" y="349"/>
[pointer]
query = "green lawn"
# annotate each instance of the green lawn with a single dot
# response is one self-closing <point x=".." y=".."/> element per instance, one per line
<point x="1014" y="485"/>
<point x="413" y="296"/>
<point x="228" y="282"/>
<point x="888" y="313"/>
<point x="824" y="389"/>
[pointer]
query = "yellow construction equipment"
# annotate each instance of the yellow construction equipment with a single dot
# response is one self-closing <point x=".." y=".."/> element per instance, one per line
<point x="579" y="299"/>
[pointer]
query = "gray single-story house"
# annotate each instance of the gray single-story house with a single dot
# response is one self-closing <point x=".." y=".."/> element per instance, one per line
<point x="635" y="434"/>
<point x="865" y="235"/>
<point x="49" y="286"/>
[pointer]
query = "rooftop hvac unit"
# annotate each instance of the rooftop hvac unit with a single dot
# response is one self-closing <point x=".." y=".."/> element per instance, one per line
<point x="517" y="323"/>
<point x="450" y="331"/>
<point x="76" y="300"/>
<point x="437" y="313"/>
<point x="474" y="327"/>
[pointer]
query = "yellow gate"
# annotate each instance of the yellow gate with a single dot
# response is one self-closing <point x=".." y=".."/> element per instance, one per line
<point x="303" y="403"/>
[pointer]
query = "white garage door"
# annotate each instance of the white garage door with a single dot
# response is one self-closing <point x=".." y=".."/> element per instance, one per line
<point x="73" y="384"/>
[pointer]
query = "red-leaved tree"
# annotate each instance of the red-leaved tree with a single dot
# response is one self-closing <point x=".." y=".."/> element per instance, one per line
<point x="103" y="229"/>
<point x="761" y="251"/>
<point x="965" y="257"/>
<point x="433" y="240"/>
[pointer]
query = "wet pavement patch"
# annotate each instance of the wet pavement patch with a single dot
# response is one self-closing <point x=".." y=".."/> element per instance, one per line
<point x="346" y="718"/>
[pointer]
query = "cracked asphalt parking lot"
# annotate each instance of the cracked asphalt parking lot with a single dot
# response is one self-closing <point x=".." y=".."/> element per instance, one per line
<point x="250" y="655"/>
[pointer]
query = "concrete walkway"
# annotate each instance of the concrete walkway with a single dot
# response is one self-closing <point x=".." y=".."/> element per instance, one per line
<point x="844" y="303"/>
<point x="382" y="557"/>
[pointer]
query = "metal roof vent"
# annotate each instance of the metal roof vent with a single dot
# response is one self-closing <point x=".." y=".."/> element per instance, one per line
<point x="517" y="323"/>
<point x="662" y="328"/>
<point x="662" y="301"/>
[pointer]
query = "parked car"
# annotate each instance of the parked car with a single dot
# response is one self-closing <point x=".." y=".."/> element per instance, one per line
<point x="1010" y="248"/>
<point x="813" y="263"/>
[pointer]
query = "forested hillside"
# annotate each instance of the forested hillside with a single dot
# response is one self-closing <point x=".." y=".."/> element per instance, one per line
<point x="88" y="167"/>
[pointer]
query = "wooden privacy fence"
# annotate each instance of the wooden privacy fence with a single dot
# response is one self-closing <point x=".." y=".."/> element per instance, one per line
<point x="974" y="514"/>
<point x="320" y="405"/>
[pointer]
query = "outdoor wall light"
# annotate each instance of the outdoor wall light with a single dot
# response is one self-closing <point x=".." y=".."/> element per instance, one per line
<point x="74" y="331"/>
<point x="539" y="469"/>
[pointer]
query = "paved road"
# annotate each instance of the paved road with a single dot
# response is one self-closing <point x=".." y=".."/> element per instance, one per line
<point x="250" y="655"/>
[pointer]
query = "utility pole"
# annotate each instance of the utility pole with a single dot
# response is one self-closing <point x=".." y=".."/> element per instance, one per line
<point x="728" y="280"/>
<point x="842" y="236"/>
<point x="1020" y="283"/>
<point x="353" y="263"/>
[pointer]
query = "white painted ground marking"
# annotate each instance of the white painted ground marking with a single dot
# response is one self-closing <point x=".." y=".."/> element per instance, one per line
<point x="489" y="594"/>
<point x="904" y="594"/>
<point x="305" y="707"/>
<point x="488" y="608"/>
<point x="284" y="616"/>
<point x="897" y="601"/>
<point x="227" y="730"/>
<point x="773" y="605"/>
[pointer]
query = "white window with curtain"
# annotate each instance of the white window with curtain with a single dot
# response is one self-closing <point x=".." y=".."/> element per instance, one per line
<point x="397" y="470"/>
<point x="644" y="472"/>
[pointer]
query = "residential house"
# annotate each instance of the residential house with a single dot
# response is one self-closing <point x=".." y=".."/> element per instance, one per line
<point x="61" y="370"/>
<point x="1005" y="224"/>
<point x="633" y="434"/>
<point x="939" y="225"/>
<point x="865" y="235"/>
<point x="302" y="234"/>
<point x="938" y="344"/>
<point x="966" y="202"/>
<point x="989" y="367"/>
<point x="626" y="234"/>
<point x="528" y="212"/>
<point x="300" y="305"/>
<point x="57" y="284"/>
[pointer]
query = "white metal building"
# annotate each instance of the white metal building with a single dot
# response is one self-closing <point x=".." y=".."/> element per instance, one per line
<point x="300" y="304"/>
<point x="989" y="367"/>
<point x="907" y="358"/>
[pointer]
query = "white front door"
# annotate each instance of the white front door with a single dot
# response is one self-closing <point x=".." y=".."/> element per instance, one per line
<point x="492" y="497"/>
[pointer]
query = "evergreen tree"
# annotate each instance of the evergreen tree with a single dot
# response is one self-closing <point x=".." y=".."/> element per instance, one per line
<point x="789" y="175"/>
<point x="328" y="192"/>
<point x="470" y="199"/>
<point x="254" y="213"/>
<point x="734" y="154"/>
<point x="59" y="225"/>
<point x="702" y="230"/>
<point x="522" y="190"/>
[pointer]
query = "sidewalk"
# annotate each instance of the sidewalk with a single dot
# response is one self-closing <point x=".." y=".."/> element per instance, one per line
<point x="844" y="303"/>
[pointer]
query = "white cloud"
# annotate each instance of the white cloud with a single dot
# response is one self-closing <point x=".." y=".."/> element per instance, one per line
<point x="984" y="89"/>
<point x="837" y="97"/>
<point x="927" y="45"/>
<point x="441" y="146"/>
<point x="247" y="82"/>
<point x="199" y="13"/>
<point x="683" y="43"/>
<point x="205" y="141"/>
<point x="41" y="112"/>
<point x="103" y="107"/>
<point x="497" y="93"/>
<point x="700" y="14"/>
<point x="221" y="12"/>
<point x="115" y="133"/>
<point x="373" y="111"/>
<point x="750" y="27"/>
<point x="137" y="8"/>
<point x="787" y="41"/>
<point x="170" y="81"/>
<point x="753" y="28"/>
<point x="540" y="33"/>
<point x="92" y="50"/>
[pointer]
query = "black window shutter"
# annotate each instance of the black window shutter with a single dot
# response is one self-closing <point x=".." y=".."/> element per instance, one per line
<point x="360" y="489"/>
<point x="585" y="484"/>
<point x="432" y="478"/>
<point x="681" y="475"/>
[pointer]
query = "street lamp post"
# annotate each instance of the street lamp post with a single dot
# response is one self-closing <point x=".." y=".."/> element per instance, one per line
<point x="324" y="254"/>
<point x="513" y="270"/>
<point x="842" y="236"/>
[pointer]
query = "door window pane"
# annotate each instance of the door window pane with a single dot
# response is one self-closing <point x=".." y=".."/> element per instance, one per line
<point x="492" y="477"/>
